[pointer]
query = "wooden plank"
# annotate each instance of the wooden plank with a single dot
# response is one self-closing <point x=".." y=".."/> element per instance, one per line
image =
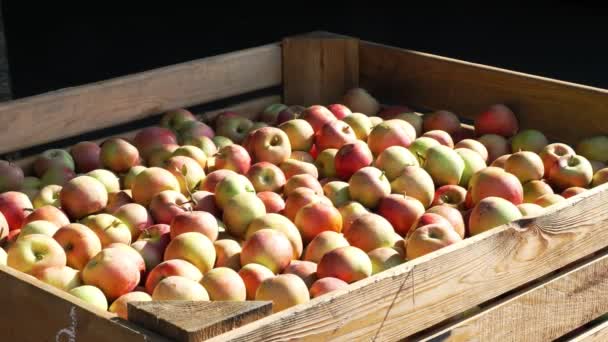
<point x="64" y="113"/>
<point x="540" y="313"/>
<point x="196" y="321"/>
<point x="247" y="108"/>
<point x="564" y="111"/>
<point x="34" y="311"/>
<point x="319" y="68"/>
<point x="599" y="333"/>
<point x="423" y="292"/>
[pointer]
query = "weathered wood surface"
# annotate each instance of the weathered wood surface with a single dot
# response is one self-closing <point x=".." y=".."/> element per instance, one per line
<point x="68" y="112"/>
<point x="541" y="313"/>
<point x="319" y="68"/>
<point x="599" y="333"/>
<point x="562" y="110"/>
<point x="195" y="321"/>
<point x="34" y="311"/>
<point x="421" y="293"/>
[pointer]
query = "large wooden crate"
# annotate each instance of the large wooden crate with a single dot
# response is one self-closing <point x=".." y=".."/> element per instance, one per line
<point x="534" y="279"/>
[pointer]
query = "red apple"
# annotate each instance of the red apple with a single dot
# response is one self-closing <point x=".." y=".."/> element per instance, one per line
<point x="150" y="182"/>
<point x="134" y="216"/>
<point x="496" y="145"/>
<point x="192" y="130"/>
<point x="317" y="116"/>
<point x="210" y="182"/>
<point x="451" y="195"/>
<point x="269" y="144"/>
<point x="571" y="171"/>
<point x="359" y="100"/>
<point x="48" y="213"/>
<point x="151" y="138"/>
<point x="195" y="221"/>
<point x="187" y="171"/>
<point x="497" y="119"/>
<point x="118" y="155"/>
<point x="265" y="176"/>
<point x="334" y="134"/>
<point x="552" y="153"/>
<point x="387" y="134"/>
<point x="368" y="185"/>
<point x="492" y="212"/>
<point x="401" y="211"/>
<point x="340" y="111"/>
<point x="441" y="120"/>
<point x="86" y="155"/>
<point x="82" y="196"/>
<point x="168" y="204"/>
<point x="79" y="242"/>
<point x="113" y="271"/>
<point x="233" y="157"/>
<point x="495" y="182"/>
<point x="442" y="137"/>
<point x="54" y="157"/>
<point x="15" y="206"/>
<point x="428" y="239"/>
<point x="273" y="202"/>
<point x="292" y="167"/>
<point x="174" y="119"/>
<point x="474" y="145"/>
<point x="352" y="157"/>
<point x="205" y="201"/>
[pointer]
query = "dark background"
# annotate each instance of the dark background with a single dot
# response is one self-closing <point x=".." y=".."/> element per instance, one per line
<point x="53" y="48"/>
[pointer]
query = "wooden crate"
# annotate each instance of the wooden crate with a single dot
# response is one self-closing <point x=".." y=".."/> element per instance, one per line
<point x="534" y="279"/>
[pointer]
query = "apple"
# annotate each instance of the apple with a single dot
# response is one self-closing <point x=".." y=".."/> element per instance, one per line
<point x="334" y="134"/>
<point x="493" y="181"/>
<point x="135" y="217"/>
<point x="384" y="258"/>
<point x="284" y="291"/>
<point x="253" y="275"/>
<point x="224" y="284"/>
<point x="441" y="120"/>
<point x="270" y="114"/>
<point x="160" y="154"/>
<point x="151" y="245"/>
<point x="30" y="186"/>
<point x="301" y="156"/>
<point x="221" y="141"/>
<point x="572" y="191"/>
<point x="179" y="288"/>
<point x="530" y="209"/>
<point x="500" y="161"/>
<point x="600" y="177"/>
<point x="49" y="158"/>
<point x="337" y="192"/>
<point x="298" y="198"/>
<point x="552" y="153"/>
<point x="92" y="295"/>
<point x="391" y="111"/>
<point x="317" y="217"/>
<point x="82" y="196"/>
<point x="304" y="180"/>
<point x="574" y="170"/>
<point x="129" y="177"/>
<point x="415" y="182"/>
<point x="231" y="186"/>
<point x="351" y="158"/>
<point x="292" y="167"/>
<point x="117" y="200"/>
<point x="35" y="252"/>
<point x="317" y="116"/>
<point x="452" y="215"/>
<point x="109" y="180"/>
<point x="48" y="195"/>
<point x="118" y="155"/>
<point x="444" y="165"/>
<point x="370" y="231"/>
<point x="340" y="111"/>
<point x="473" y="163"/>
<point x="306" y="270"/>
<point x="525" y="165"/>
<point x="496" y="145"/>
<point x="349" y="212"/>
<point x="228" y="254"/>
<point x="240" y="211"/>
<point x="529" y="140"/>
<point x="195" y="221"/>
<point x="360" y="124"/>
<point x="265" y="176"/>
<point x="326" y="285"/>
<point x="534" y="189"/>
<point x="11" y="176"/>
<point x="596" y="165"/>
<point x="119" y="306"/>
<point x="167" y="204"/>
<point x="15" y="206"/>
<point x="400" y="211"/>
<point x="414" y="119"/>
<point x="268" y="247"/>
<point x="194" y="153"/>
<point x="497" y="119"/>
<point x="174" y="119"/>
<point x="86" y="156"/>
<point x="473" y="145"/>
<point x="450" y="195"/>
<point x="79" y="242"/>
<point x="359" y="100"/>
<point x="4" y="232"/>
<point x="594" y="148"/>
<point x="151" y="138"/>
<point x="368" y="185"/>
<point x="492" y="212"/>
<point x="548" y="200"/>
<point x="269" y="144"/>
<point x="273" y="202"/>
<point x="205" y="201"/>
<point x="234" y="128"/>
<point x="233" y="157"/>
<point x="192" y="130"/>
<point x="420" y="147"/>
<point x="393" y="160"/>
<point x="48" y="213"/>
<point x="213" y="178"/>
<point x="300" y="134"/>
<point x="173" y="267"/>
<point x="442" y="137"/>
<point x="61" y="277"/>
<point x="290" y="113"/>
<point x="347" y="263"/>
<point x="152" y="181"/>
<point x="57" y="174"/>
<point x="187" y="171"/>
<point x="38" y="227"/>
<point x="108" y="228"/>
<point x="429" y="238"/>
<point x="193" y="247"/>
<point x="387" y="134"/>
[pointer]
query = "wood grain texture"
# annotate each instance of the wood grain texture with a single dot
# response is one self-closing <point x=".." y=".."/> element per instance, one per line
<point x="599" y="333"/>
<point x="247" y="108"/>
<point x="319" y="68"/>
<point x="423" y="292"/>
<point x="564" y="111"/>
<point x="196" y="321"/>
<point x="541" y="313"/>
<point x="34" y="311"/>
<point x="64" y="113"/>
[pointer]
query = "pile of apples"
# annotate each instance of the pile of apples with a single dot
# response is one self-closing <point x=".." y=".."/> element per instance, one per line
<point x="297" y="203"/>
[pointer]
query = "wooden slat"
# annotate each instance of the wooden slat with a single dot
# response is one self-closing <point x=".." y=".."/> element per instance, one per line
<point x="319" y="68"/>
<point x="33" y="311"/>
<point x="562" y="110"/>
<point x="423" y="292"/>
<point x="599" y="333"/>
<point x="248" y="109"/>
<point x="541" y="313"/>
<point x="64" y="113"/>
<point x="196" y="321"/>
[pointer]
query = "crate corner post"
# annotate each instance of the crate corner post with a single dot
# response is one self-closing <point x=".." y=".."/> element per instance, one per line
<point x="319" y="67"/>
